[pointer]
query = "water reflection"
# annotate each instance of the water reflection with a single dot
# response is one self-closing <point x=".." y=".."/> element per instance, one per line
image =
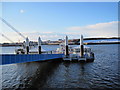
<point x="43" y="74"/>
<point x="28" y="75"/>
<point x="82" y="69"/>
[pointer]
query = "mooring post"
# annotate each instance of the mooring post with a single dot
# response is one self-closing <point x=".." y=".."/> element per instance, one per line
<point x="39" y="45"/>
<point x="27" y="45"/>
<point x="66" y="46"/>
<point x="81" y="46"/>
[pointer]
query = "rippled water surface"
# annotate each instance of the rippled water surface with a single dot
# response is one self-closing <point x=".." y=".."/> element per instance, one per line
<point x="102" y="73"/>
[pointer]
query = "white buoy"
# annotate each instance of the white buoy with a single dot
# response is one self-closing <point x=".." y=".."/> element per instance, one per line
<point x="39" y="45"/>
<point x="27" y="45"/>
<point x="81" y="46"/>
<point x="66" y="46"/>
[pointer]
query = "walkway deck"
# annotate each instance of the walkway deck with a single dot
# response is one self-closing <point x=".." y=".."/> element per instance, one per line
<point x="22" y="58"/>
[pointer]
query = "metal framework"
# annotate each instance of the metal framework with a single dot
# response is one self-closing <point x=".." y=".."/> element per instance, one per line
<point x="12" y="28"/>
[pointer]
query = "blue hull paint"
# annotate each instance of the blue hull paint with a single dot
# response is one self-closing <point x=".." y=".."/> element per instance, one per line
<point x="13" y="58"/>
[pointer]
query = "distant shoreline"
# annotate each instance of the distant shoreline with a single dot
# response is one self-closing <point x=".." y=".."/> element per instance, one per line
<point x="101" y="43"/>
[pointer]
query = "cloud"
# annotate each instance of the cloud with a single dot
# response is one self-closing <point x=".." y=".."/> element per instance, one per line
<point x="108" y="29"/>
<point x="22" y="11"/>
<point x="44" y="35"/>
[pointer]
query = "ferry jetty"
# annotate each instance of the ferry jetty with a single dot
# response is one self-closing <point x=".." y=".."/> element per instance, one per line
<point x="63" y="53"/>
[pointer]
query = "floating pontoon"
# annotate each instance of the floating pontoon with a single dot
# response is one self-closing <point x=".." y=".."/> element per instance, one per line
<point x="80" y="53"/>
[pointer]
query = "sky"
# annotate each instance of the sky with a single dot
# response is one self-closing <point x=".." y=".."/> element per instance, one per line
<point x="54" y="20"/>
<point x="60" y="0"/>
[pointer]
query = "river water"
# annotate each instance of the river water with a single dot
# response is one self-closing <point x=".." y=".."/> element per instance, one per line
<point x="102" y="73"/>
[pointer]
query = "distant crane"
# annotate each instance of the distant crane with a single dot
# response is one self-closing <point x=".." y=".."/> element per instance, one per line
<point x="12" y="28"/>
<point x="7" y="38"/>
